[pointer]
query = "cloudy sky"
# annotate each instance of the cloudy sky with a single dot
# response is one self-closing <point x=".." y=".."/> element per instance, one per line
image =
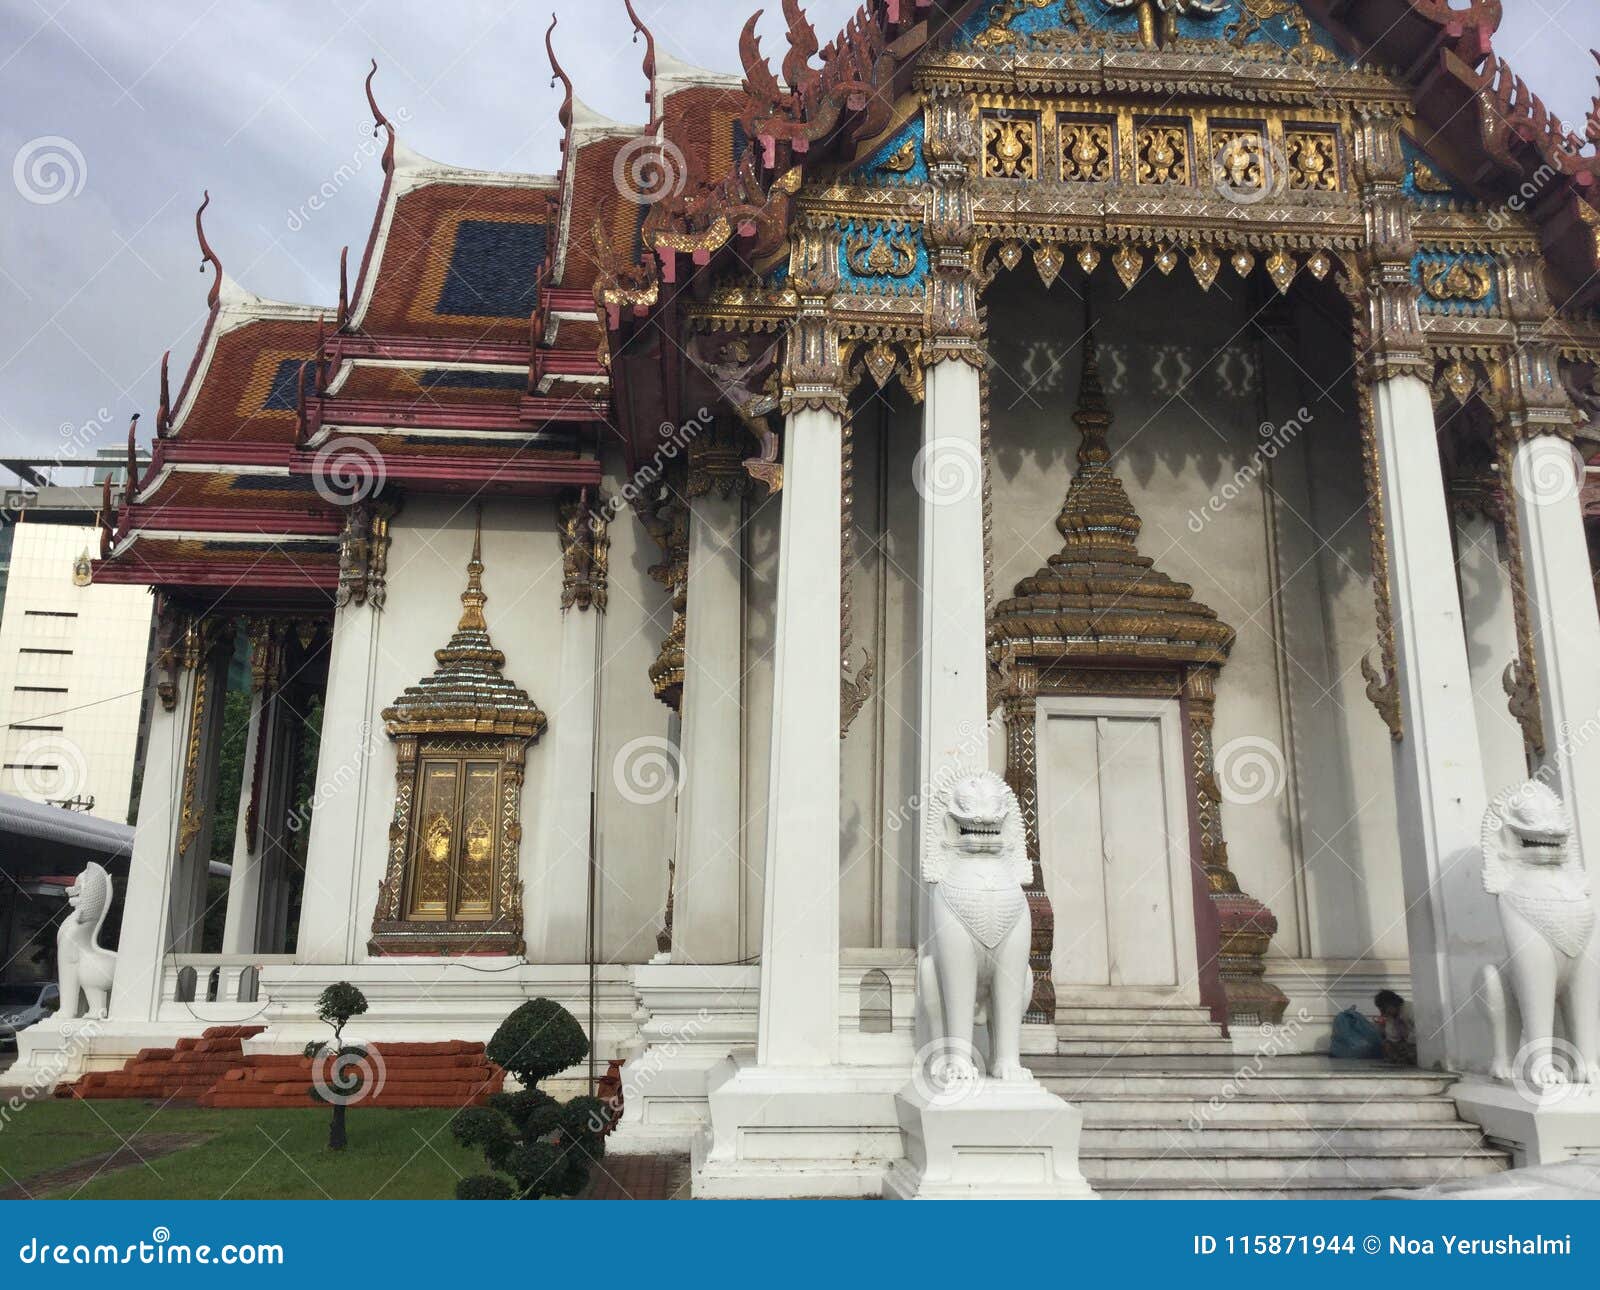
<point x="261" y="102"/>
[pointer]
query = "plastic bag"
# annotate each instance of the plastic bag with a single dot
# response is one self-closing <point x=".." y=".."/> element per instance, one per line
<point x="1355" y="1037"/>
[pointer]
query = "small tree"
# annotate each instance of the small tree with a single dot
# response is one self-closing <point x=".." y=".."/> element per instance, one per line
<point x="536" y="1145"/>
<point x="346" y="1075"/>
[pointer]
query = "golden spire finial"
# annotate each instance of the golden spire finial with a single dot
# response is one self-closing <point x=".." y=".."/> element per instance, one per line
<point x="1093" y="414"/>
<point x="1097" y="512"/>
<point x="473" y="599"/>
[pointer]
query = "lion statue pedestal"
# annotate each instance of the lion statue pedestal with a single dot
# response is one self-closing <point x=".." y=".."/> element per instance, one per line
<point x="1543" y="1095"/>
<point x="978" y="1124"/>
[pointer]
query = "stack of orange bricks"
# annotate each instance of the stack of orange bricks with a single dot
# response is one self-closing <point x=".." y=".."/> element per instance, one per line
<point x="216" y="1071"/>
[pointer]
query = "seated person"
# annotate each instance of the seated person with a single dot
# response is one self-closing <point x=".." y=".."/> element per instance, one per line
<point x="1399" y="1028"/>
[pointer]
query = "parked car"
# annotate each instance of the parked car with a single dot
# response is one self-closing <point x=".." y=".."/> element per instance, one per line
<point x="22" y="1005"/>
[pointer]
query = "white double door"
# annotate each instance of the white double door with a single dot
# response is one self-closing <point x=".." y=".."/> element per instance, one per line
<point x="1114" y="843"/>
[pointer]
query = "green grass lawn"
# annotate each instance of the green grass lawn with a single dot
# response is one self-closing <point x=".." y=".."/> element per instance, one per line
<point x="250" y="1155"/>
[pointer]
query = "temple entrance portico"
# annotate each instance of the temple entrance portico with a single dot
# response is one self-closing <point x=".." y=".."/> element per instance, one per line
<point x="1143" y="410"/>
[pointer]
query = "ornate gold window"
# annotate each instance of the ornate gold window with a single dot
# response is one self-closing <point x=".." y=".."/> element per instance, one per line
<point x="452" y="884"/>
<point x="454" y="839"/>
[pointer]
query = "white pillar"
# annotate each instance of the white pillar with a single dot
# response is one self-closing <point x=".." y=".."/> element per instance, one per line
<point x="1566" y="627"/>
<point x="558" y="906"/>
<point x="799" y="1024"/>
<point x="351" y="733"/>
<point x="244" y="886"/>
<point x="953" y="611"/>
<point x="705" y="927"/>
<point x="1439" y="789"/>
<point x="147" y="902"/>
<point x="1491" y="633"/>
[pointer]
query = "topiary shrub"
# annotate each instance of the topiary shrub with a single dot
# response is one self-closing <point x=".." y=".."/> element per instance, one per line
<point x="536" y="1145"/>
<point x="344" y="1079"/>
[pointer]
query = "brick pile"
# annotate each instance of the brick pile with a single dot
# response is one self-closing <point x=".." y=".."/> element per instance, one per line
<point x="214" y="1070"/>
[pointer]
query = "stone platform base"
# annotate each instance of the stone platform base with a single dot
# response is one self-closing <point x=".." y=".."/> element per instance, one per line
<point x="1539" y="1129"/>
<point x="784" y="1133"/>
<point x="995" y="1139"/>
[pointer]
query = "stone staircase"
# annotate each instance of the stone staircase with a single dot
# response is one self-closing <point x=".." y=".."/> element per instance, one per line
<point x="214" y="1070"/>
<point x="1097" y="1031"/>
<point x="1163" y="1126"/>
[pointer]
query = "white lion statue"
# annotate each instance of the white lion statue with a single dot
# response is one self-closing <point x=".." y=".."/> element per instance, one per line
<point x="1548" y="917"/>
<point x="83" y="965"/>
<point x="975" y="942"/>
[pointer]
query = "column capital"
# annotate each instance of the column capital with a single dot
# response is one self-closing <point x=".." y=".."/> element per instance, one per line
<point x="1394" y="344"/>
<point x="954" y="326"/>
<point x="814" y="376"/>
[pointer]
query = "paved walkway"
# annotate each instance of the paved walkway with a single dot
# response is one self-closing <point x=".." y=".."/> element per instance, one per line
<point x="639" y="1178"/>
<point x="151" y="1146"/>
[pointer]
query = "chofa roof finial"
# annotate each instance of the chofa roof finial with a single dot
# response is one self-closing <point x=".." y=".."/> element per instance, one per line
<point x="556" y="74"/>
<point x="164" y="408"/>
<point x="639" y="29"/>
<point x="133" y="456"/>
<point x="380" y="122"/>
<point x="207" y="255"/>
<point x="344" y="287"/>
<point x="1593" y="128"/>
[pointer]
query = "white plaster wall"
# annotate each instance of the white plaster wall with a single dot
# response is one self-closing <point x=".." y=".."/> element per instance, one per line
<point x="432" y="541"/>
<point x="92" y="691"/>
<point x="635" y="818"/>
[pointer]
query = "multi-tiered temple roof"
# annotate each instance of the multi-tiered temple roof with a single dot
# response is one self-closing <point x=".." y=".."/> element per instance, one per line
<point x="501" y="328"/>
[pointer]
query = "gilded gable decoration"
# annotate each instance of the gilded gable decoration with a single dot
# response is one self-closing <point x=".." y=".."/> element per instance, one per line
<point x="452" y="884"/>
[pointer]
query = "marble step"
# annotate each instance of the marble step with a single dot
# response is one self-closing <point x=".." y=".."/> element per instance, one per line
<point x="1330" y="1108"/>
<point x="1291" y="1133"/>
<point x="1200" y="1032"/>
<point x="1072" y="1015"/>
<point x="1240" y="1189"/>
<point x="1111" y="1081"/>
<point x="1291" y="1167"/>
<point x="1210" y="1047"/>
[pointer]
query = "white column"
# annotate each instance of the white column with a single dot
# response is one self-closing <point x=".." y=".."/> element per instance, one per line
<point x="351" y="733"/>
<point x="705" y="927"/>
<point x="1439" y="789"/>
<point x="244" y="886"/>
<point x="557" y="907"/>
<point x="949" y="478"/>
<point x="147" y="902"/>
<point x="799" y="1024"/>
<point x="1566" y="627"/>
<point x="1491" y="634"/>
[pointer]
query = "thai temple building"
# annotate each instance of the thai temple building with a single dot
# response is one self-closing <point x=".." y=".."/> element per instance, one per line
<point x="1177" y="406"/>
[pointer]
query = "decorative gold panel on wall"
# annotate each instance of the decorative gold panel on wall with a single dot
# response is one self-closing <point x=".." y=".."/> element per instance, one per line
<point x="1010" y="146"/>
<point x="452" y="884"/>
